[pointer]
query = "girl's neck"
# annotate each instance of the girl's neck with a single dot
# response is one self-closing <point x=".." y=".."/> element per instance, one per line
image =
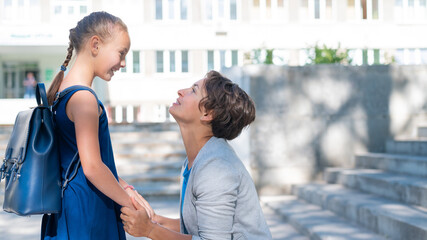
<point x="80" y="74"/>
<point x="194" y="139"/>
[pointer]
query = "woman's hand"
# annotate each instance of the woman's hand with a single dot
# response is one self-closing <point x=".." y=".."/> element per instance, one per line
<point x="134" y="194"/>
<point x="136" y="222"/>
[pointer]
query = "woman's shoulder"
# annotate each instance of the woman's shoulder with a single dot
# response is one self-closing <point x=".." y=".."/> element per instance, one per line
<point x="217" y="155"/>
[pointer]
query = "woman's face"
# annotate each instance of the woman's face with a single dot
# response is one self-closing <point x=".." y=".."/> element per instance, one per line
<point x="186" y="108"/>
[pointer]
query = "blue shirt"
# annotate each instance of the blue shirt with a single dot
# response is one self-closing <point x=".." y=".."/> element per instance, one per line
<point x="186" y="175"/>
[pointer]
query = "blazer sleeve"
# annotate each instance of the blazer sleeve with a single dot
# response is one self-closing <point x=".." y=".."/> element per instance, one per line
<point x="215" y="190"/>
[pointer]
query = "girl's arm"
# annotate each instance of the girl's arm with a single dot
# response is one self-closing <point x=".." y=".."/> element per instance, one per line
<point x="82" y="109"/>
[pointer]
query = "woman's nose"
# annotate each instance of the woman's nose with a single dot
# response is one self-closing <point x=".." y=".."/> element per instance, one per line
<point x="181" y="92"/>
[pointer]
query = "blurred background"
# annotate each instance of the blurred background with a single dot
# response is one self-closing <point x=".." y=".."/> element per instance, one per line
<point x="338" y="148"/>
<point x="175" y="42"/>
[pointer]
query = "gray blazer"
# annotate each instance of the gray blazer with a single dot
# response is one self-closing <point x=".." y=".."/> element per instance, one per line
<point x="221" y="201"/>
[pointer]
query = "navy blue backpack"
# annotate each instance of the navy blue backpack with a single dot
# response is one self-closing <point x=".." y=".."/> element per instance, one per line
<point x="31" y="166"/>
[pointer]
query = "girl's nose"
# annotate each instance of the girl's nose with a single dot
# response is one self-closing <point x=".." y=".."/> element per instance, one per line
<point x="123" y="63"/>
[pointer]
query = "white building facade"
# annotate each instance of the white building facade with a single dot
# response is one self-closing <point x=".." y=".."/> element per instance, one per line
<point x="175" y="42"/>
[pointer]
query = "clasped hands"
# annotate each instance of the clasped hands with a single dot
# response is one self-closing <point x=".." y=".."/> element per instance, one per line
<point x="139" y="222"/>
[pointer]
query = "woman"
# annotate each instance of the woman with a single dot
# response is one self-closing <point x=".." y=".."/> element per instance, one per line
<point x="218" y="198"/>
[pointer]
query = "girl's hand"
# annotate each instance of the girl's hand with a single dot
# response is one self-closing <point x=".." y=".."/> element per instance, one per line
<point x="151" y="214"/>
<point x="136" y="222"/>
<point x="141" y="201"/>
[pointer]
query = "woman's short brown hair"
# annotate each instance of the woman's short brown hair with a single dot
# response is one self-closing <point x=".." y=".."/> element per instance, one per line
<point x="231" y="107"/>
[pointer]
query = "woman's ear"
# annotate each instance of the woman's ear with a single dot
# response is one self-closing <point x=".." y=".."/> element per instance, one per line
<point x="206" y="117"/>
<point x="94" y="43"/>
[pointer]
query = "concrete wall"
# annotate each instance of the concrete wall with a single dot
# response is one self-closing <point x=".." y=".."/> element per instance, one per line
<point x="313" y="117"/>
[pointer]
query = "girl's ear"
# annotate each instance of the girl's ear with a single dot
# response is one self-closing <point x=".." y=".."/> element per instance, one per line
<point x="94" y="43"/>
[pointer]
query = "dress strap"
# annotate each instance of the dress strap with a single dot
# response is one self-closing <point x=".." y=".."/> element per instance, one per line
<point x="74" y="88"/>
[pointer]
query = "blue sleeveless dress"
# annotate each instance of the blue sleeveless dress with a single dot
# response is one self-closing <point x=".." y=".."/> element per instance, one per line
<point x="87" y="214"/>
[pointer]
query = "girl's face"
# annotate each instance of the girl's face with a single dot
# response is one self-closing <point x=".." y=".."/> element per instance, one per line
<point x="112" y="54"/>
<point x="186" y="108"/>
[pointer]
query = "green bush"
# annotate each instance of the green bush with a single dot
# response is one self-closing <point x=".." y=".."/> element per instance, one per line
<point x="326" y="55"/>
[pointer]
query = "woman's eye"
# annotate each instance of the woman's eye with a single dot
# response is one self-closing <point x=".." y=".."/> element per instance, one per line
<point x="194" y="91"/>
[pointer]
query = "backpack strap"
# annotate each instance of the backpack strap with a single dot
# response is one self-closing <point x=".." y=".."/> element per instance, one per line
<point x="75" y="163"/>
<point x="41" y="96"/>
<point x="71" y="172"/>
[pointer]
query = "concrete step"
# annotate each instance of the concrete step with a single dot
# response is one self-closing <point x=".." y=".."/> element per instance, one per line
<point x="141" y="178"/>
<point x="403" y="188"/>
<point x="159" y="158"/>
<point x="144" y="127"/>
<point x="6" y="129"/>
<point x="129" y="167"/>
<point x="403" y="164"/>
<point x="279" y="228"/>
<point x="146" y="154"/>
<point x="422" y="131"/>
<point x="383" y="216"/>
<point x="157" y="189"/>
<point x="138" y="136"/>
<point x="315" y="222"/>
<point x="407" y="147"/>
<point x="148" y="147"/>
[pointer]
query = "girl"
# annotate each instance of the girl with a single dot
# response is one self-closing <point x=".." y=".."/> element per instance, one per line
<point x="218" y="198"/>
<point x="90" y="204"/>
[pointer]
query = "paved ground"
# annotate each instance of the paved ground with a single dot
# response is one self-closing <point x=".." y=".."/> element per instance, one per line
<point x="14" y="227"/>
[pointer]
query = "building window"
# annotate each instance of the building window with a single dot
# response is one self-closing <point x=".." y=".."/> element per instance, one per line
<point x="363" y="9"/>
<point x="269" y="10"/>
<point x="410" y="10"/>
<point x="222" y="59"/>
<point x="221" y="9"/>
<point x="423" y="55"/>
<point x="209" y="10"/>
<point x="136" y="62"/>
<point x="58" y="10"/>
<point x="83" y="10"/>
<point x="368" y="57"/>
<point x="172" y="9"/>
<point x="234" y="58"/>
<point x="317" y="9"/>
<point x="184" y="9"/>
<point x="159" y="10"/>
<point x="184" y="61"/>
<point x="70" y="10"/>
<point x="211" y="60"/>
<point x="233" y="9"/>
<point x="172" y="61"/>
<point x="159" y="61"/>
<point x="218" y="59"/>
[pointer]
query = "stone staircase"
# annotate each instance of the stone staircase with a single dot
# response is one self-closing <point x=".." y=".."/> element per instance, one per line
<point x="147" y="156"/>
<point x="383" y="197"/>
